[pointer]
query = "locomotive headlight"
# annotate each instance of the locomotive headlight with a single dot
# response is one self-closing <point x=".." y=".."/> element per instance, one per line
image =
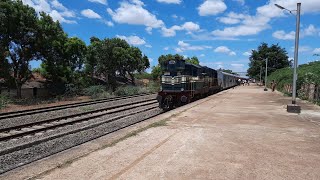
<point x="182" y="89"/>
<point x="183" y="79"/>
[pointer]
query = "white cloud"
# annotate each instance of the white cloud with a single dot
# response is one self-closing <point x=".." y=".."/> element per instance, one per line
<point x="170" y="1"/>
<point x="233" y="18"/>
<point x="148" y="46"/>
<point x="55" y="9"/>
<point x="187" y="26"/>
<point x="183" y="46"/>
<point x="190" y="26"/>
<point x="178" y="50"/>
<point x="134" y="13"/>
<point x="202" y="55"/>
<point x="316" y="50"/>
<point x="225" y="50"/>
<point x="311" y="30"/>
<point x="283" y="35"/>
<point x="252" y="25"/>
<point x="58" y="17"/>
<point x="58" y="5"/>
<point x="109" y="23"/>
<point x="99" y="1"/>
<point x="232" y="53"/>
<point x="166" y="48"/>
<point x="133" y="40"/>
<point x="211" y="7"/>
<point x="90" y="14"/>
<point x="247" y="53"/>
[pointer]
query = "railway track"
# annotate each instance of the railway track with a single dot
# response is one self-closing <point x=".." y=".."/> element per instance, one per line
<point x="20" y="113"/>
<point x="25" y="143"/>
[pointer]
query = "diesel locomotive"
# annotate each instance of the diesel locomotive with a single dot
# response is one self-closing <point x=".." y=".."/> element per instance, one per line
<point x="182" y="82"/>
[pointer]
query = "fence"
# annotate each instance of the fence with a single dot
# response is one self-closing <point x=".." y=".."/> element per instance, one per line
<point x="26" y="92"/>
<point x="309" y="92"/>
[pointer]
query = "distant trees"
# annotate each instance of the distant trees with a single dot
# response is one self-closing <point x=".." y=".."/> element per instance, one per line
<point x="26" y="36"/>
<point x="277" y="59"/>
<point x="109" y="58"/>
<point x="193" y="60"/>
<point x="164" y="58"/>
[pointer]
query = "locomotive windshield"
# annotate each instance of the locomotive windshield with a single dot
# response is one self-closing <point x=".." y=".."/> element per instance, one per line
<point x="173" y="67"/>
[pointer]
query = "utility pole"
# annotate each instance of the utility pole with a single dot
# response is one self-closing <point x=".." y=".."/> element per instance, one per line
<point x="266" y="76"/>
<point x="260" y="74"/>
<point x="294" y="107"/>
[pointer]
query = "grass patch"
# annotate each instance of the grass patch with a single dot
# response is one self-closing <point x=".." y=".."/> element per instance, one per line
<point x="4" y="101"/>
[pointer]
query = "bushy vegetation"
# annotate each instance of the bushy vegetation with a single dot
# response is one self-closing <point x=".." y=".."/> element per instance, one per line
<point x="143" y="75"/>
<point x="97" y="91"/>
<point x="307" y="73"/>
<point x="4" y="101"/>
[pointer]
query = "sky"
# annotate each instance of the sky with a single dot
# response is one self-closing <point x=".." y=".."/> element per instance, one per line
<point x="221" y="33"/>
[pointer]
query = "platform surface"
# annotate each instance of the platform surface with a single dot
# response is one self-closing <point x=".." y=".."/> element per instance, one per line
<point x="242" y="133"/>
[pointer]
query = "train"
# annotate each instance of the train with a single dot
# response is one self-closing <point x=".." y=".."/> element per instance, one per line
<point x="182" y="82"/>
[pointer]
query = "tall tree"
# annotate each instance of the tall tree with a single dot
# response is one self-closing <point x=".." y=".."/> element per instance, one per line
<point x="277" y="59"/>
<point x="164" y="58"/>
<point x="52" y="40"/>
<point x="18" y="37"/>
<point x="75" y="52"/>
<point x="91" y="59"/>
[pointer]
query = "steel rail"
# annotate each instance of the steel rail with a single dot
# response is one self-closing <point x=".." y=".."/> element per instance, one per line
<point x="7" y="115"/>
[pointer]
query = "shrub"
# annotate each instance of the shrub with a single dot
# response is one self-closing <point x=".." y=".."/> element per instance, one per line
<point x="71" y="90"/>
<point x="4" y="101"/>
<point x="153" y="87"/>
<point x="97" y="91"/>
<point x="127" y="90"/>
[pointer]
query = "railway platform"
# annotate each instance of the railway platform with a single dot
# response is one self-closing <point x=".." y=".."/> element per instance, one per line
<point x="240" y="133"/>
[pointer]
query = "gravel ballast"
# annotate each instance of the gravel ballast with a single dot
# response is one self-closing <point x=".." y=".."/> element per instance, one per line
<point x="49" y="147"/>
<point x="11" y="122"/>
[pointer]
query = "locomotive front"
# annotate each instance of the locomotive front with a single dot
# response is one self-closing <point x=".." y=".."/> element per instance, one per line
<point x="175" y="87"/>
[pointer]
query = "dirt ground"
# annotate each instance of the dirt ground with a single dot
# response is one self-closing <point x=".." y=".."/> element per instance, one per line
<point x="15" y="107"/>
<point x="242" y="133"/>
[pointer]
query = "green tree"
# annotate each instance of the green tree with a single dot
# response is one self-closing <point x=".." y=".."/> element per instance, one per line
<point x="156" y="72"/>
<point x="52" y="40"/>
<point x="109" y="58"/>
<point x="18" y="37"/>
<point x="164" y="58"/>
<point x="193" y="60"/>
<point x="277" y="59"/>
<point x="92" y="57"/>
<point x="75" y="52"/>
